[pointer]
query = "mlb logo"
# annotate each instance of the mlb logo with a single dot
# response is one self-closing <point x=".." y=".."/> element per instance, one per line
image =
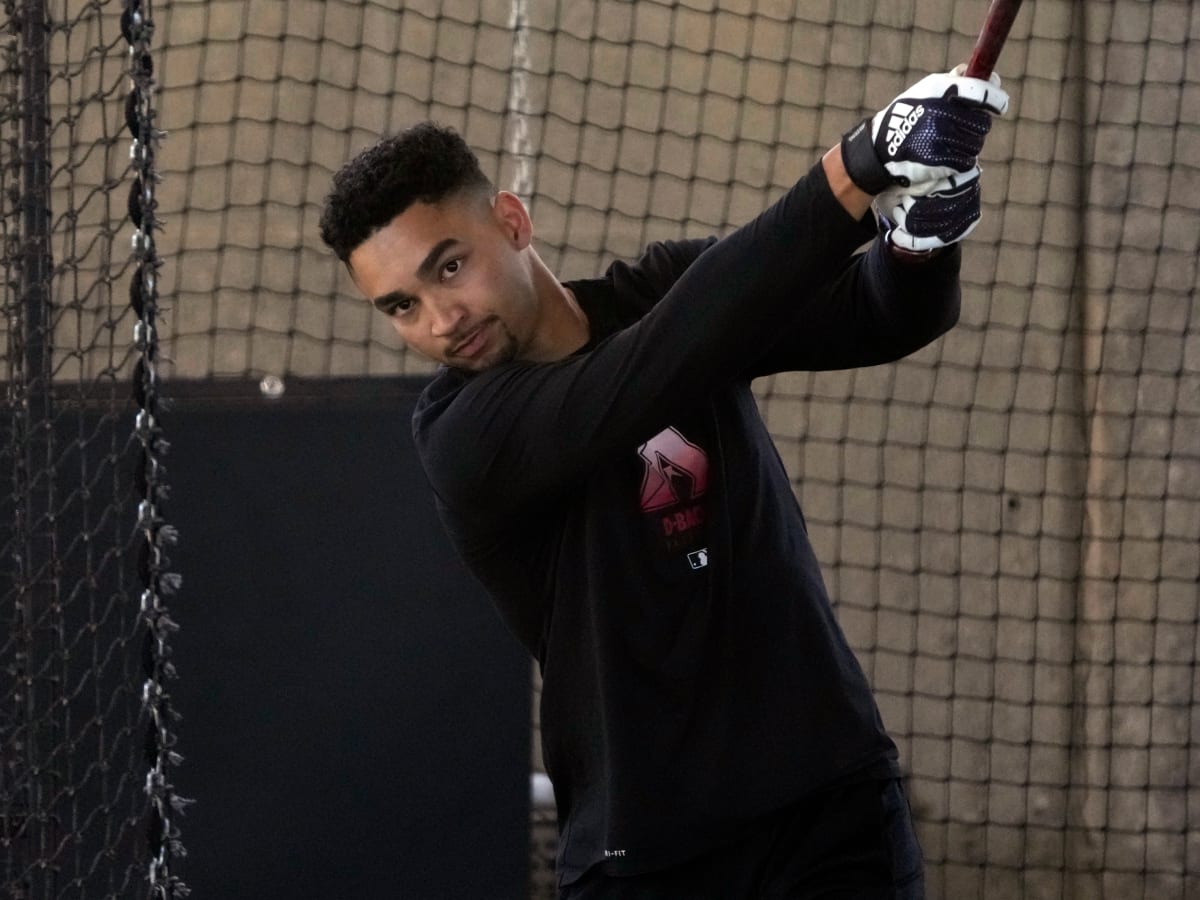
<point x="698" y="558"/>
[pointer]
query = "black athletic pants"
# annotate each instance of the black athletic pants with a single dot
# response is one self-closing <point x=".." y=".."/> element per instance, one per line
<point x="854" y="842"/>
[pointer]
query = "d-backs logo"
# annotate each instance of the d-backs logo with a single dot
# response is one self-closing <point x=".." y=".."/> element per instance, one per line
<point x="674" y="481"/>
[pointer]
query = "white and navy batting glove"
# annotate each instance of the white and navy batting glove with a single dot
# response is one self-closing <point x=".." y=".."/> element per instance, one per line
<point x="944" y="216"/>
<point x="933" y="130"/>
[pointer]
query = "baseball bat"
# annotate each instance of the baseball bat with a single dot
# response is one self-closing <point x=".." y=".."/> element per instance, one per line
<point x="992" y="36"/>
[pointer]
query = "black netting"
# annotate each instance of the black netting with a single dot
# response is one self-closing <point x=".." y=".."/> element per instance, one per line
<point x="1008" y="520"/>
<point x="86" y="726"/>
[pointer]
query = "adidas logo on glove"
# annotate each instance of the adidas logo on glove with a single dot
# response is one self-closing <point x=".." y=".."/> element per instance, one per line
<point x="904" y="118"/>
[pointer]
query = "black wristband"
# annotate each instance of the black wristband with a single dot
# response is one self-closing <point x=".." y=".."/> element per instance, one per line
<point x="862" y="162"/>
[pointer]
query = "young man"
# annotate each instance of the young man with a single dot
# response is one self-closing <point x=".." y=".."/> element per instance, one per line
<point x="599" y="462"/>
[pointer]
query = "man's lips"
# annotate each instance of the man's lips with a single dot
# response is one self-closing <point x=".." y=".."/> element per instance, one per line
<point x="473" y="343"/>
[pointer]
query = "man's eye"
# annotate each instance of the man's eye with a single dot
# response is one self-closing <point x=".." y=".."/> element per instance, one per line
<point x="451" y="268"/>
<point x="400" y="306"/>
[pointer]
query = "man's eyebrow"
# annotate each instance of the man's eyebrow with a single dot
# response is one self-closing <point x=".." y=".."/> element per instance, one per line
<point x="429" y="263"/>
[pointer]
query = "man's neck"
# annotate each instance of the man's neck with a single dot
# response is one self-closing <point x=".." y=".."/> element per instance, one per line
<point x="563" y="327"/>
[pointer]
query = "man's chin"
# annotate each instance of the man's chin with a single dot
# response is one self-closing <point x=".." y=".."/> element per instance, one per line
<point x="488" y="359"/>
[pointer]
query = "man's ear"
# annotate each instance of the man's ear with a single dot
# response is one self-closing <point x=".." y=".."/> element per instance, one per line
<point x="513" y="218"/>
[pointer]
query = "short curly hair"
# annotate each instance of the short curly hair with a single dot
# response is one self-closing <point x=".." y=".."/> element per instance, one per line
<point x="424" y="163"/>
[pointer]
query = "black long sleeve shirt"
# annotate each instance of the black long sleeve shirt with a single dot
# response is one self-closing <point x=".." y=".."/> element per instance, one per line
<point x="627" y="511"/>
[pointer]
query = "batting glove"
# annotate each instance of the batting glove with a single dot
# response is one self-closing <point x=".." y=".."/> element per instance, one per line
<point x="944" y="216"/>
<point x="934" y="130"/>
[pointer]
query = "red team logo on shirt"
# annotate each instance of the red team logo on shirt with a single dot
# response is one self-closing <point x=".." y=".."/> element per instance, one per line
<point x="676" y="471"/>
<point x="674" y="481"/>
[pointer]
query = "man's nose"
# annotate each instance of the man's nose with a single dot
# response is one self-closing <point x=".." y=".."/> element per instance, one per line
<point x="445" y="318"/>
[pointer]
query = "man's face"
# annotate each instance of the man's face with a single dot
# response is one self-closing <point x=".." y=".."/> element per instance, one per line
<point x="453" y="279"/>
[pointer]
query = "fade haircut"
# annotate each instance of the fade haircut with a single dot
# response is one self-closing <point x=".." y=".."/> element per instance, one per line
<point x="425" y="163"/>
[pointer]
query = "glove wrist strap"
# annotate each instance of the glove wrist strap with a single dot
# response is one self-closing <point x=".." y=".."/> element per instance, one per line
<point x="862" y="162"/>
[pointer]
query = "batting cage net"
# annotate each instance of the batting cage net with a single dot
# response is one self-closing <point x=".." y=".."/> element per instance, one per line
<point x="1008" y="519"/>
<point x="87" y="806"/>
